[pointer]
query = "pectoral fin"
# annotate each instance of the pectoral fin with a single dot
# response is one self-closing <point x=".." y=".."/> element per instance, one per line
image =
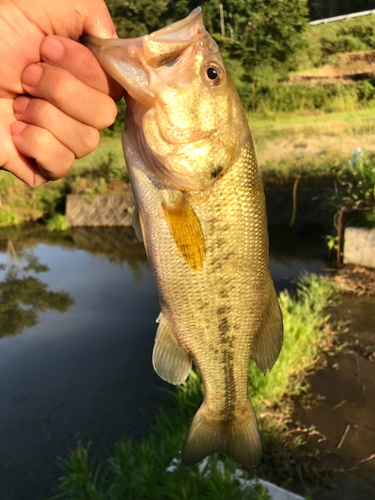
<point x="139" y="227"/>
<point x="137" y="224"/>
<point x="187" y="233"/>
<point x="268" y="341"/>
<point x="170" y="361"/>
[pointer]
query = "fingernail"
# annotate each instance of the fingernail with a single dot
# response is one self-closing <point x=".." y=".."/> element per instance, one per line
<point x="20" y="104"/>
<point x="32" y="75"/>
<point x="17" y="127"/>
<point x="51" y="49"/>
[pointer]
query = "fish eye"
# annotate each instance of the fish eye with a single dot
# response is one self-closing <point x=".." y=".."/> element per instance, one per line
<point x="214" y="73"/>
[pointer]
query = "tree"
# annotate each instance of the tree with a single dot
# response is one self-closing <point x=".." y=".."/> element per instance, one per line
<point x="269" y="31"/>
<point x="134" y="18"/>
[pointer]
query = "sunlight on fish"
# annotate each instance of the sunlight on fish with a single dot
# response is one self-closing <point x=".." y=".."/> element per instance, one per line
<point x="201" y="213"/>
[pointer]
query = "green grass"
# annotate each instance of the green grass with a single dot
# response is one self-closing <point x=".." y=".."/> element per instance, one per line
<point x="57" y="223"/>
<point x="151" y="469"/>
<point x="312" y="146"/>
<point x="108" y="153"/>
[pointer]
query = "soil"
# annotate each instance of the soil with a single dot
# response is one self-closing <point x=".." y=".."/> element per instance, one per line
<point x="345" y="415"/>
<point x="349" y="67"/>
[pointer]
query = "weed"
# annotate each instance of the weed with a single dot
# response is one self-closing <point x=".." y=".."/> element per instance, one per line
<point x="357" y="196"/>
<point x="57" y="223"/>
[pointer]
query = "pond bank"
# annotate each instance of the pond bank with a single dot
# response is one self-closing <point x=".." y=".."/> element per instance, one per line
<point x="344" y="391"/>
<point x="305" y="207"/>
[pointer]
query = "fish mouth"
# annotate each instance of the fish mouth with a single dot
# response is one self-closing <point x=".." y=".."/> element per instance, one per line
<point x="137" y="62"/>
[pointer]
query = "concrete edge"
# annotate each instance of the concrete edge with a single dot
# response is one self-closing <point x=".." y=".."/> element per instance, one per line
<point x="275" y="492"/>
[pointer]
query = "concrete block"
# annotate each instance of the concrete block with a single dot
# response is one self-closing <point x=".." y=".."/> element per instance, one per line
<point x="100" y="210"/>
<point x="359" y="246"/>
<point x="277" y="493"/>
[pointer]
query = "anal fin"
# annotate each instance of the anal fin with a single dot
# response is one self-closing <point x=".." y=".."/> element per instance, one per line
<point x="238" y="439"/>
<point x="268" y="341"/>
<point x="170" y="361"/>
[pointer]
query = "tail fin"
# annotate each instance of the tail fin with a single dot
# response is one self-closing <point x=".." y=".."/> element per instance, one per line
<point x="239" y="439"/>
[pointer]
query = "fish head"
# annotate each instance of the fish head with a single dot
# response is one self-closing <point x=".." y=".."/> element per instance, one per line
<point x="181" y="100"/>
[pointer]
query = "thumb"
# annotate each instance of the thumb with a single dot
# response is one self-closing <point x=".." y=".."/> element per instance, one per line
<point x="72" y="19"/>
<point x="97" y="20"/>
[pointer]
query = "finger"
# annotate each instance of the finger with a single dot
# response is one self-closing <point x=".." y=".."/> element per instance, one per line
<point x="74" y="98"/>
<point x="97" y="19"/>
<point x="25" y="169"/>
<point x="11" y="159"/>
<point x="54" y="160"/>
<point x="70" y="18"/>
<point x="80" y="62"/>
<point x="79" y="138"/>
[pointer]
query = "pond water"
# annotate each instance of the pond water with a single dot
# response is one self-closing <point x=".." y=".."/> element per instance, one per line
<point x="77" y="329"/>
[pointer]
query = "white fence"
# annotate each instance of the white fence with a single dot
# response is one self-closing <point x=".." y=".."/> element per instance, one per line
<point x="346" y="16"/>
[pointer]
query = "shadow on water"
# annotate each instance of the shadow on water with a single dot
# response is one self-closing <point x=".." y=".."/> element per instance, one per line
<point x="292" y="253"/>
<point x="84" y="307"/>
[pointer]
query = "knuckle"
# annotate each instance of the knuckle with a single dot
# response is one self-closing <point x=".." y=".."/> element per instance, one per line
<point x="68" y="163"/>
<point x="41" y="139"/>
<point x="37" y="181"/>
<point x="108" y="113"/>
<point x="43" y="112"/>
<point x="90" y="141"/>
<point x="61" y="166"/>
<point x="60" y="86"/>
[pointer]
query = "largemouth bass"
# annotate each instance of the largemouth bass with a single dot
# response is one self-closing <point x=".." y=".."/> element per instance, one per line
<point x="201" y="214"/>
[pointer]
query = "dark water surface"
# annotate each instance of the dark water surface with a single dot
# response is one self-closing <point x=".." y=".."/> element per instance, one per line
<point x="77" y="329"/>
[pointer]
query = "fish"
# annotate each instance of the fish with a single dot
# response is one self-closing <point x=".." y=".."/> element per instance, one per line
<point x="200" y="211"/>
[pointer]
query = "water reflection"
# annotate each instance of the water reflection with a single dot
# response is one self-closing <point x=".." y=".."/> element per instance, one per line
<point x="116" y="244"/>
<point x="293" y="253"/>
<point x="22" y="295"/>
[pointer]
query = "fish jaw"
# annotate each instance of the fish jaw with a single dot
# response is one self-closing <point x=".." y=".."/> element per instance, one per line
<point x="116" y="56"/>
<point x="134" y="62"/>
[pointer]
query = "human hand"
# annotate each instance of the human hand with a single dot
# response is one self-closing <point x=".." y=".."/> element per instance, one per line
<point x="42" y="133"/>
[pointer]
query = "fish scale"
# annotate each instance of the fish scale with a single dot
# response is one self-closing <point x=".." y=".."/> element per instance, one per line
<point x="201" y="212"/>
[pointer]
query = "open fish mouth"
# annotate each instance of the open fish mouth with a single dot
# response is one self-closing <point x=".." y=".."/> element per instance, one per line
<point x="137" y="63"/>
